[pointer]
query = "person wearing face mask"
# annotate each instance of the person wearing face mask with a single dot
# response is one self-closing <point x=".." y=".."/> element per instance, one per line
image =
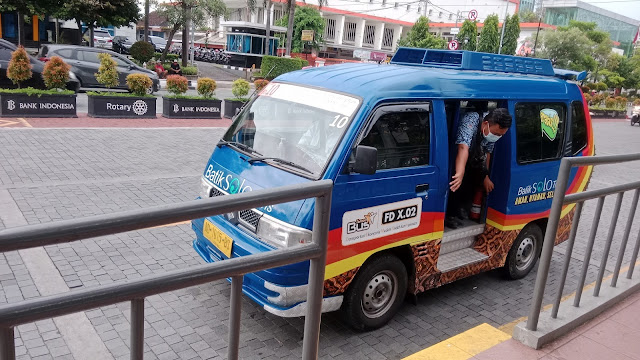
<point x="475" y="141"/>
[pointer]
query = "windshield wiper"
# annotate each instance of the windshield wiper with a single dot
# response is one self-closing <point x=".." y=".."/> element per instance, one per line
<point x="279" y="160"/>
<point x="238" y="145"/>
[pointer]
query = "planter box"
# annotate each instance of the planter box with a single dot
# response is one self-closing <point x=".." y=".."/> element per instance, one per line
<point x="22" y="105"/>
<point x="191" y="108"/>
<point x="610" y="114"/>
<point x="230" y="108"/>
<point x="122" y="107"/>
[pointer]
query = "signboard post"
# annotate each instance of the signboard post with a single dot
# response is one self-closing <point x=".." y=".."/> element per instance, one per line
<point x="307" y="35"/>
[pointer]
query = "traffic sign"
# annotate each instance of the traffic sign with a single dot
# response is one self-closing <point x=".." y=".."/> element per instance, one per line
<point x="455" y="31"/>
<point x="473" y="14"/>
<point x="453" y="45"/>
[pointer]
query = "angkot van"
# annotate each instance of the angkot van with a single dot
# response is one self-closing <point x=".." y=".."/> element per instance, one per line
<point x="386" y="136"/>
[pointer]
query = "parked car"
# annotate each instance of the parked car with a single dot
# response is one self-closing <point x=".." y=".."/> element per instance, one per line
<point x="36" y="81"/>
<point x="158" y="43"/>
<point x="101" y="38"/>
<point x="85" y="63"/>
<point x="122" y="44"/>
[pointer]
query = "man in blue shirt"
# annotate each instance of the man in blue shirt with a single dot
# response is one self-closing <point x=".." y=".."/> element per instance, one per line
<point x="475" y="142"/>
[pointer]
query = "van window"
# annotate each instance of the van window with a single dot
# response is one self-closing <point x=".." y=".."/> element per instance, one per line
<point x="402" y="139"/>
<point x="539" y="131"/>
<point x="578" y="128"/>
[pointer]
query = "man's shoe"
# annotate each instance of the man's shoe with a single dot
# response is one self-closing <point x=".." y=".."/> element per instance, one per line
<point x="451" y="222"/>
<point x="462" y="214"/>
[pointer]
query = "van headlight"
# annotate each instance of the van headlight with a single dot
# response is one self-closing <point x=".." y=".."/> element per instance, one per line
<point x="205" y="188"/>
<point x="281" y="234"/>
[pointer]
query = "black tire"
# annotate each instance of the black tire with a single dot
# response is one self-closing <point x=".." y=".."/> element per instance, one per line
<point x="384" y="278"/>
<point x="524" y="252"/>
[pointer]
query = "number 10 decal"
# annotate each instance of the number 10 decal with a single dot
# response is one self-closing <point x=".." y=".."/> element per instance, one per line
<point x="339" y="121"/>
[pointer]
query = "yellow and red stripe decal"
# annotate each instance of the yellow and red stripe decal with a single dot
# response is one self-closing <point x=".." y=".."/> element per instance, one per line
<point x="341" y="259"/>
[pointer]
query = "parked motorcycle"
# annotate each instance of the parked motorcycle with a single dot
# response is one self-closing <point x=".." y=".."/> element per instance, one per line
<point x="635" y="115"/>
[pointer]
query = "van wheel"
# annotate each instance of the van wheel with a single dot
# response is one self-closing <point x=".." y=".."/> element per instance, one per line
<point x="524" y="252"/>
<point x="376" y="294"/>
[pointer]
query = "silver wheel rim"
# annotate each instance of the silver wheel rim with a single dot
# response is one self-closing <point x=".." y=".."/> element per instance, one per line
<point x="379" y="294"/>
<point x="525" y="254"/>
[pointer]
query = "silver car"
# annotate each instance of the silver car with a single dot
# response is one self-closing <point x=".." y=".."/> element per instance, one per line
<point x="101" y="38"/>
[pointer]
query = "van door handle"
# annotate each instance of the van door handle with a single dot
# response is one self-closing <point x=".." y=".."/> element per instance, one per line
<point x="422" y="188"/>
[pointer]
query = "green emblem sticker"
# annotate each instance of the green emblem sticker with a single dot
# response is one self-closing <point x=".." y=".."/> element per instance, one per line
<point x="549" y="121"/>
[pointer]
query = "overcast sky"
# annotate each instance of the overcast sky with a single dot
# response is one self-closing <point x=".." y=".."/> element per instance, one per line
<point x="629" y="8"/>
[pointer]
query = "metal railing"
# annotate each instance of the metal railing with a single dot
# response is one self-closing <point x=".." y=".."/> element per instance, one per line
<point x="135" y="291"/>
<point x="561" y="199"/>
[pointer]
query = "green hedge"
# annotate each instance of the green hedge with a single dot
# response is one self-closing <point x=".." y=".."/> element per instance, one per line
<point x="280" y="66"/>
<point x="36" y="92"/>
<point x="168" y="58"/>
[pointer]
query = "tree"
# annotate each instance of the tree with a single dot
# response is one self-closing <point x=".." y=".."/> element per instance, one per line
<point x="142" y="51"/>
<point x="511" y="35"/>
<point x="419" y="36"/>
<point x="19" y="68"/>
<point x="97" y="13"/>
<point x="490" y="36"/>
<point x="468" y="35"/>
<point x="566" y="49"/>
<point x="528" y="16"/>
<point x="177" y="13"/>
<point x="28" y="8"/>
<point x="291" y="9"/>
<point x="305" y="18"/>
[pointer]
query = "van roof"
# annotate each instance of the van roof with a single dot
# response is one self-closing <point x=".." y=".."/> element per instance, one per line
<point x="373" y="81"/>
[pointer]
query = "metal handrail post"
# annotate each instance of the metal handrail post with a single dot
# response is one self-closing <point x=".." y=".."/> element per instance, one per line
<point x="587" y="253"/>
<point x="137" y="329"/>
<point x="634" y="257"/>
<point x="234" y="318"/>
<point x="567" y="259"/>
<point x="7" y="344"/>
<point x="320" y="237"/>
<point x="625" y="238"/>
<point x="607" y="246"/>
<point x="547" y="245"/>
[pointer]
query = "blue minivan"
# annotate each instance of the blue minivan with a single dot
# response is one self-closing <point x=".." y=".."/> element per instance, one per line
<point x="385" y="135"/>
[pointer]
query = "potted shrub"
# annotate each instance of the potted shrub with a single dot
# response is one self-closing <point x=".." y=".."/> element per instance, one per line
<point x="260" y="84"/>
<point x="29" y="102"/>
<point x="240" y="89"/>
<point x="136" y="104"/>
<point x="179" y="105"/>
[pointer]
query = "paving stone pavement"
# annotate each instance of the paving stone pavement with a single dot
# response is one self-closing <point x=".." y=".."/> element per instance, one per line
<point x="62" y="174"/>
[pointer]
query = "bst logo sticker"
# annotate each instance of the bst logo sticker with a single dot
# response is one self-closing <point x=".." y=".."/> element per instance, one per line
<point x="379" y="221"/>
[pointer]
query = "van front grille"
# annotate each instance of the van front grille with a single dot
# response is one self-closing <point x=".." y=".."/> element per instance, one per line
<point x="248" y="218"/>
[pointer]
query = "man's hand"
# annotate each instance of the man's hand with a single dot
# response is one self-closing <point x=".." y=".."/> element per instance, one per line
<point x="488" y="184"/>
<point x="456" y="181"/>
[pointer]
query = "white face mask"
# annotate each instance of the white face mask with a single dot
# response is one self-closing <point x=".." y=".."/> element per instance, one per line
<point x="491" y="137"/>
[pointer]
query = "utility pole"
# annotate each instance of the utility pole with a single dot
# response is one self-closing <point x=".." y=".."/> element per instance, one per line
<point x="504" y="25"/>
<point x="146" y="20"/>
<point x="424" y="10"/>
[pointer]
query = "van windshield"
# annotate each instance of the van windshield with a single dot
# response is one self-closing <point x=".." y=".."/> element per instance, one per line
<point x="294" y="123"/>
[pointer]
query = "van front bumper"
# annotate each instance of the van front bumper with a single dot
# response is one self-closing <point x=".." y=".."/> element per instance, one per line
<point x="281" y="291"/>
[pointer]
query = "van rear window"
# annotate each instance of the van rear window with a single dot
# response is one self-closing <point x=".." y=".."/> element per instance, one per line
<point x="578" y="128"/>
<point x="539" y="131"/>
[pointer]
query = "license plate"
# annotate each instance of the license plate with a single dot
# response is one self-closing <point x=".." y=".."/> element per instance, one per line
<point x="219" y="239"/>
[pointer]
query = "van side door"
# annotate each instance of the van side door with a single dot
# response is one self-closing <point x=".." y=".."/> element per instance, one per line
<point x="398" y="205"/>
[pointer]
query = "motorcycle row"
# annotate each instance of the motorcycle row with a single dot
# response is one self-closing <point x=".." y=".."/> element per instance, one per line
<point x="207" y="55"/>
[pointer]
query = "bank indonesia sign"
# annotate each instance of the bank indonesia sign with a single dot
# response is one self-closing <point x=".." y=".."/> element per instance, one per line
<point x="16" y="105"/>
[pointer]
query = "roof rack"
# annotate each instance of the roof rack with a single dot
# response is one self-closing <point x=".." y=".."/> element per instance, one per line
<point x="471" y="60"/>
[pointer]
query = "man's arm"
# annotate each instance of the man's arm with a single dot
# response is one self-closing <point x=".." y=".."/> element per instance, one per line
<point x="488" y="184"/>
<point x="461" y="163"/>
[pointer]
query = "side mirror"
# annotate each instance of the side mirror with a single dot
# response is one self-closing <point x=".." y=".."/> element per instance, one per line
<point x="366" y="160"/>
<point x="131" y="66"/>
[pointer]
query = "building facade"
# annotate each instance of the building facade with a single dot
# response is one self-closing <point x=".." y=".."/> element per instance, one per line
<point x="621" y="28"/>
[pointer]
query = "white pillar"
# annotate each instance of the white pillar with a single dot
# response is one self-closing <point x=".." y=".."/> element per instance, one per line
<point x="339" y="29"/>
<point x="377" y="40"/>
<point x="272" y="9"/>
<point x="397" y="33"/>
<point x="254" y="16"/>
<point x="360" y="26"/>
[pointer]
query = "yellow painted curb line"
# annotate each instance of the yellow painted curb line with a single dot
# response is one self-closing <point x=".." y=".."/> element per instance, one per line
<point x="464" y="345"/>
